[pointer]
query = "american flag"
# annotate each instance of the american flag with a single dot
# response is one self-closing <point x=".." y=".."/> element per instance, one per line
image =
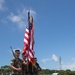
<point x="28" y="49"/>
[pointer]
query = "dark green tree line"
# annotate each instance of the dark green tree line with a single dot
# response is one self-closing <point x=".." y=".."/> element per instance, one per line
<point x="7" y="69"/>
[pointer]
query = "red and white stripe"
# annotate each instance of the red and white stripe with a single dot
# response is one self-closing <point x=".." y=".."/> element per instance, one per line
<point x="29" y="43"/>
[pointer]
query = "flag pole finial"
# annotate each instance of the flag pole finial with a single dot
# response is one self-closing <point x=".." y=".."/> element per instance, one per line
<point x="29" y="12"/>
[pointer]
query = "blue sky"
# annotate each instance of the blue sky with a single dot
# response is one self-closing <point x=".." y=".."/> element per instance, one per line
<point x="54" y="22"/>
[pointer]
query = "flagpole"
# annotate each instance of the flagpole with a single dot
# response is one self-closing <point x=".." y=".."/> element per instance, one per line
<point x="29" y="31"/>
<point x="28" y="40"/>
<point x="30" y="21"/>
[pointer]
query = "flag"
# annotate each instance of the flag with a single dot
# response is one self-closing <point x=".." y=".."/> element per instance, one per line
<point x="28" y="49"/>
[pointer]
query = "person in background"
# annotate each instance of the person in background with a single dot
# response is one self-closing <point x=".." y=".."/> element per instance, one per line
<point x="30" y="68"/>
<point x="24" y="65"/>
<point x="36" y="67"/>
<point x="16" y="64"/>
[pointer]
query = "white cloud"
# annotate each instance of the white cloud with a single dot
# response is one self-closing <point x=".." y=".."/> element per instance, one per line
<point x="70" y="65"/>
<point x="54" y="58"/>
<point x="45" y="60"/>
<point x="1" y="5"/>
<point x="64" y="66"/>
<point x="17" y="20"/>
<point x="21" y="18"/>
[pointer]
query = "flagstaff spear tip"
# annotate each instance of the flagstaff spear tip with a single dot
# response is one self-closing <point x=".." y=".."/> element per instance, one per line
<point x="28" y="11"/>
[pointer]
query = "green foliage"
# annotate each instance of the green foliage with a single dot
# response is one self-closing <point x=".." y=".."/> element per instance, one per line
<point x="60" y="72"/>
<point x="6" y="69"/>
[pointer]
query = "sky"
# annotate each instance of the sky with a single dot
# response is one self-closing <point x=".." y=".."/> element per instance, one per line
<point x="54" y="31"/>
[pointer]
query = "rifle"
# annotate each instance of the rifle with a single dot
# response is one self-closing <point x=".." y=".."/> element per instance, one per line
<point x="12" y="51"/>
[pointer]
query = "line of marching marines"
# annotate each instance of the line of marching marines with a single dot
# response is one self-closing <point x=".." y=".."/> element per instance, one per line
<point x="22" y="66"/>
